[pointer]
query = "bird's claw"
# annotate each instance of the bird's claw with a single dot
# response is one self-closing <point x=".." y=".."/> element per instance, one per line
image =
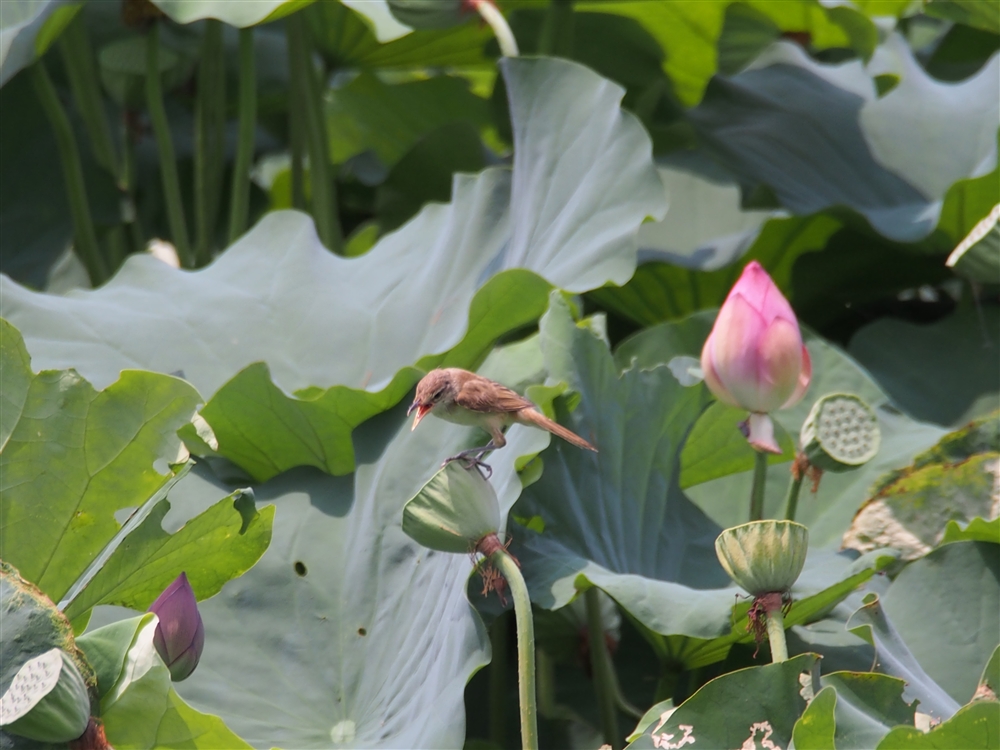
<point x="469" y="460"/>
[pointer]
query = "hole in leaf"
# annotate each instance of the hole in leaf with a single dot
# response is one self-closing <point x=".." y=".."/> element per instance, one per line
<point x="300" y="568"/>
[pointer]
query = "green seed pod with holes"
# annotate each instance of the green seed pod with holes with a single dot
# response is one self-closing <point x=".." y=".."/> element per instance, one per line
<point x="764" y="556"/>
<point x="47" y="700"/>
<point x="841" y="433"/>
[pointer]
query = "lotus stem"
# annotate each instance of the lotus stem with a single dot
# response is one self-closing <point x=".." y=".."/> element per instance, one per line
<point x="307" y="98"/>
<point x="501" y="29"/>
<point x="498" y="681"/>
<point x="604" y="679"/>
<point x="525" y="646"/>
<point x="85" y="239"/>
<point x="81" y="72"/>
<point x="792" y="498"/>
<point x="776" y="635"/>
<point x="557" y="31"/>
<point x="209" y="139"/>
<point x="239" y="207"/>
<point x="759" y="482"/>
<point x="165" y="144"/>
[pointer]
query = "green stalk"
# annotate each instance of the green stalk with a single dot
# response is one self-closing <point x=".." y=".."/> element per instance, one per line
<point x="308" y="98"/>
<point x="557" y="30"/>
<point x="209" y="139"/>
<point x="759" y="481"/>
<point x="239" y="207"/>
<point x="296" y="147"/>
<point x="165" y="144"/>
<point x="136" y="236"/>
<point x="792" y="498"/>
<point x="776" y="636"/>
<point x="498" y="681"/>
<point x="85" y="239"/>
<point x="525" y="647"/>
<point x="604" y="679"/>
<point x="81" y="71"/>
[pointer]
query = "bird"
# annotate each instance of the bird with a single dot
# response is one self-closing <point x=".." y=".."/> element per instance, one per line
<point x="465" y="398"/>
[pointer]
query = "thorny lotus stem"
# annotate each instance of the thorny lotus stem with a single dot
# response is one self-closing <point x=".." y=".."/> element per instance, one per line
<point x="498" y="681"/>
<point x="209" y="139"/>
<point x="792" y="498"/>
<point x="240" y="197"/>
<point x="525" y="646"/>
<point x="501" y="30"/>
<point x="759" y="481"/>
<point x="84" y="237"/>
<point x="165" y="144"/>
<point x="600" y="661"/>
<point x="776" y="635"/>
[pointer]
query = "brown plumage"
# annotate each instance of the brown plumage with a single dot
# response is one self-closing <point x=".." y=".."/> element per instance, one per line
<point x="463" y="397"/>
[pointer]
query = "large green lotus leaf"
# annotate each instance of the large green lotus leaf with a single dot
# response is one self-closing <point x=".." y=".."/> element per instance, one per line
<point x="390" y="119"/>
<point x="618" y="519"/>
<point x="943" y="372"/>
<point x="911" y="509"/>
<point x="973" y="727"/>
<point x="141" y="710"/>
<point x="894" y="658"/>
<point x="854" y="709"/>
<point x="689" y="32"/>
<point x="27" y="28"/>
<point x="72" y="456"/>
<point x="351" y="629"/>
<point x="954" y="589"/>
<point x="971" y="12"/>
<point x="220" y="544"/>
<point x="761" y="704"/>
<point x="348" y="38"/>
<point x="582" y="182"/>
<point x="820" y="136"/>
<point x="669" y="284"/>
<point x="828" y="512"/>
<point x="868" y="706"/>
<point x="240" y="15"/>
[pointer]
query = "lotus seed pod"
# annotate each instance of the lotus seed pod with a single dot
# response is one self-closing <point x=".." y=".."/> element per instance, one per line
<point x="841" y="433"/>
<point x="47" y="700"/>
<point x="763" y="556"/>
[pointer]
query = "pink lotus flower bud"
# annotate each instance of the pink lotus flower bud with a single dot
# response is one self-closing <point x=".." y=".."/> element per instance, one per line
<point x="180" y="634"/>
<point x="754" y="357"/>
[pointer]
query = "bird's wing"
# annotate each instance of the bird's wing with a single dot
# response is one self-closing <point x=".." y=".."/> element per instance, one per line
<point x="484" y="395"/>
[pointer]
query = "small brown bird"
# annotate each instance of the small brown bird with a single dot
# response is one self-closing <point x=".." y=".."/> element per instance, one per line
<point x="462" y="397"/>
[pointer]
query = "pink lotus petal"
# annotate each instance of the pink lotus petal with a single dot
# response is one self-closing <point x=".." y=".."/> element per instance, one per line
<point x="761" y="435"/>
<point x="805" y="375"/>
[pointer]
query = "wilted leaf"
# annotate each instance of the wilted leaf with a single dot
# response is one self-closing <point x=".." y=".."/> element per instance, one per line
<point x="762" y="705"/>
<point x="953" y="482"/>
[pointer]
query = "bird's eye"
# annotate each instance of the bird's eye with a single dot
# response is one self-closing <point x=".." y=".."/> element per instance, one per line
<point x="437" y="394"/>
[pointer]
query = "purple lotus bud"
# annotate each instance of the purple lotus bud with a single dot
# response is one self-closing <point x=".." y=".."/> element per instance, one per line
<point x="180" y="633"/>
<point x="754" y="357"/>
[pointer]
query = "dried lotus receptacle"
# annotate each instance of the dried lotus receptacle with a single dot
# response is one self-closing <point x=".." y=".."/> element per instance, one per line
<point x="841" y="433"/>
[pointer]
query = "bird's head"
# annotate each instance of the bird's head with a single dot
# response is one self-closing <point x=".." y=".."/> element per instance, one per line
<point x="436" y="387"/>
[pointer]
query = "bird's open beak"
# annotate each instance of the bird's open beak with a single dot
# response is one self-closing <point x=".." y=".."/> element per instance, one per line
<point x="421" y="410"/>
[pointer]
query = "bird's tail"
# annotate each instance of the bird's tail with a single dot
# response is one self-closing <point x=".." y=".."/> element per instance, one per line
<point x="536" y="418"/>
